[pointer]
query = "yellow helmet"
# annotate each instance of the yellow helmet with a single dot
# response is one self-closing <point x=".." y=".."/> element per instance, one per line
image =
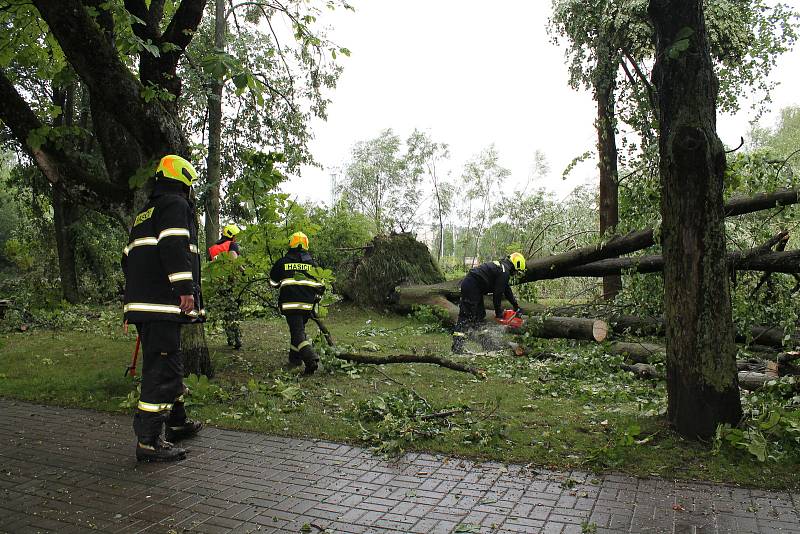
<point x="298" y="239"/>
<point x="176" y="168"/>
<point x="518" y="261"/>
<point x="230" y="231"/>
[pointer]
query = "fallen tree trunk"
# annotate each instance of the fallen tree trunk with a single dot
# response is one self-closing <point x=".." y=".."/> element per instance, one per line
<point x="773" y="262"/>
<point x="403" y="298"/>
<point x="638" y="352"/>
<point x="752" y="381"/>
<point x="768" y="336"/>
<point x="563" y="327"/>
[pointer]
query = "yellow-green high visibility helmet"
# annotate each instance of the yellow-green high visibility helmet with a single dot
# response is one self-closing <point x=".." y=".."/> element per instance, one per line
<point x="230" y="231"/>
<point x="176" y="168"/>
<point x="518" y="261"/>
<point x="298" y="239"/>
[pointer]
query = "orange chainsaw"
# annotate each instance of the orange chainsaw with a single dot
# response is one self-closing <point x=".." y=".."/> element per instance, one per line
<point x="510" y="318"/>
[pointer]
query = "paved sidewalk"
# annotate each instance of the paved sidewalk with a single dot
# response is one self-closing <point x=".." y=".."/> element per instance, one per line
<point x="69" y="470"/>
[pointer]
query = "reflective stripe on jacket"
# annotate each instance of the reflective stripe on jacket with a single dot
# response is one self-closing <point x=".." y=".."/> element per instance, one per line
<point x="161" y="261"/>
<point x="298" y="290"/>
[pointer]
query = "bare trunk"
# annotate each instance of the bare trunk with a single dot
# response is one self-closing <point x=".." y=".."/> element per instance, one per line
<point x="607" y="156"/>
<point x="64" y="216"/>
<point x="64" y="210"/>
<point x="702" y="383"/>
<point x="215" y="135"/>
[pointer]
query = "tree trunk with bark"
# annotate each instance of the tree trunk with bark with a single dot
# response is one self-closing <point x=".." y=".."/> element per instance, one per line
<point x="563" y="327"/>
<point x="131" y="130"/>
<point x="64" y="211"/>
<point x="702" y="386"/>
<point x="605" y="76"/>
<point x="215" y="134"/>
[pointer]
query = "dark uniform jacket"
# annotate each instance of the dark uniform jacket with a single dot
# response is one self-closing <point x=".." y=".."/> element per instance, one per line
<point x="161" y="261"/>
<point x="493" y="278"/>
<point x="299" y="291"/>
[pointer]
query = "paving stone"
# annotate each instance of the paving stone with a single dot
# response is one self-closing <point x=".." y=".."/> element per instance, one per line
<point x="245" y="482"/>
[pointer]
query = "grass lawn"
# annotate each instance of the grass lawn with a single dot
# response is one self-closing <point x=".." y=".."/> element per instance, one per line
<point x="576" y="411"/>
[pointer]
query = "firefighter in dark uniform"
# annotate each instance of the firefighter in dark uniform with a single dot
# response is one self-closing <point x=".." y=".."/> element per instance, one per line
<point x="491" y="277"/>
<point x="299" y="294"/>
<point x="230" y="304"/>
<point x="162" y="292"/>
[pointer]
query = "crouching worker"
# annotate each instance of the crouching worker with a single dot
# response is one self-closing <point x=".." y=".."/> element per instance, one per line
<point x="491" y="277"/>
<point x="299" y="293"/>
<point x="162" y="293"/>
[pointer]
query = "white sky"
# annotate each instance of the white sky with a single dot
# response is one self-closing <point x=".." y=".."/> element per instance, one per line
<point x="470" y="74"/>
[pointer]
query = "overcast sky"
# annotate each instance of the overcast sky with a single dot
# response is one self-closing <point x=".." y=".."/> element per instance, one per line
<point x="471" y="75"/>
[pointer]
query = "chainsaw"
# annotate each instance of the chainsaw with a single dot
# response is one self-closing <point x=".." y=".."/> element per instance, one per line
<point x="510" y="318"/>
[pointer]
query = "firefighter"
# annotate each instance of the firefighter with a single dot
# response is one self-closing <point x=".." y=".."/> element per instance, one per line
<point x="298" y="296"/>
<point x="491" y="277"/>
<point x="162" y="292"/>
<point x="230" y="303"/>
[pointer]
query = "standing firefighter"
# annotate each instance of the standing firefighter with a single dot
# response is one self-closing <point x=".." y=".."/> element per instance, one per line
<point x="299" y="294"/>
<point x="230" y="303"/>
<point x="491" y="277"/>
<point x="162" y="292"/>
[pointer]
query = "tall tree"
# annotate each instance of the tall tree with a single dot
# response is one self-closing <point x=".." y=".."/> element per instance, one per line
<point x="424" y="155"/>
<point x="213" y="162"/>
<point x="609" y="44"/>
<point x="701" y="356"/>
<point x="382" y="181"/>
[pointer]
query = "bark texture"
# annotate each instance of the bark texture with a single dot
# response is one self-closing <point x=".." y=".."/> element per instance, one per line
<point x="701" y="365"/>
<point x="215" y="135"/>
<point x="604" y="80"/>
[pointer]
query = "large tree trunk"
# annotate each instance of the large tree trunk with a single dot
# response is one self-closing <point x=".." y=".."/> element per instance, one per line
<point x="64" y="216"/>
<point x="607" y="156"/>
<point x="64" y="210"/>
<point x="702" y="384"/>
<point x="215" y="134"/>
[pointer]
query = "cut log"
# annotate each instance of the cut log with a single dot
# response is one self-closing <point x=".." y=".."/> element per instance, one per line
<point x="752" y="381"/>
<point x="761" y="337"/>
<point x="564" y="327"/>
<point x="638" y="352"/>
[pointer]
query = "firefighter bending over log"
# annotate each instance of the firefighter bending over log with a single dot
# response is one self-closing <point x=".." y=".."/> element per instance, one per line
<point x="491" y="277"/>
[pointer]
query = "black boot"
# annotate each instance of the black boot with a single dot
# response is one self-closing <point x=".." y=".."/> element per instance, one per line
<point x="294" y="359"/>
<point x="188" y="429"/>
<point x="159" y="451"/>
<point x="310" y="359"/>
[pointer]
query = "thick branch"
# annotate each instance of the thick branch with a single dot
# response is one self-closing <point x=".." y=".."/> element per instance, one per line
<point x="761" y="201"/>
<point x="776" y="262"/>
<point x="409" y="358"/>
<point x="57" y="164"/>
<point x="109" y="81"/>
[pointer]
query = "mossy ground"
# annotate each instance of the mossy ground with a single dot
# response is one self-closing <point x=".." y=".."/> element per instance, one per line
<point x="575" y="412"/>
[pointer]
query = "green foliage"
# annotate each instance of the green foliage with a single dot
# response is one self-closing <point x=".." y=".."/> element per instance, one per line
<point x="342" y="231"/>
<point x="770" y="430"/>
<point x="202" y="391"/>
<point x="389" y="423"/>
